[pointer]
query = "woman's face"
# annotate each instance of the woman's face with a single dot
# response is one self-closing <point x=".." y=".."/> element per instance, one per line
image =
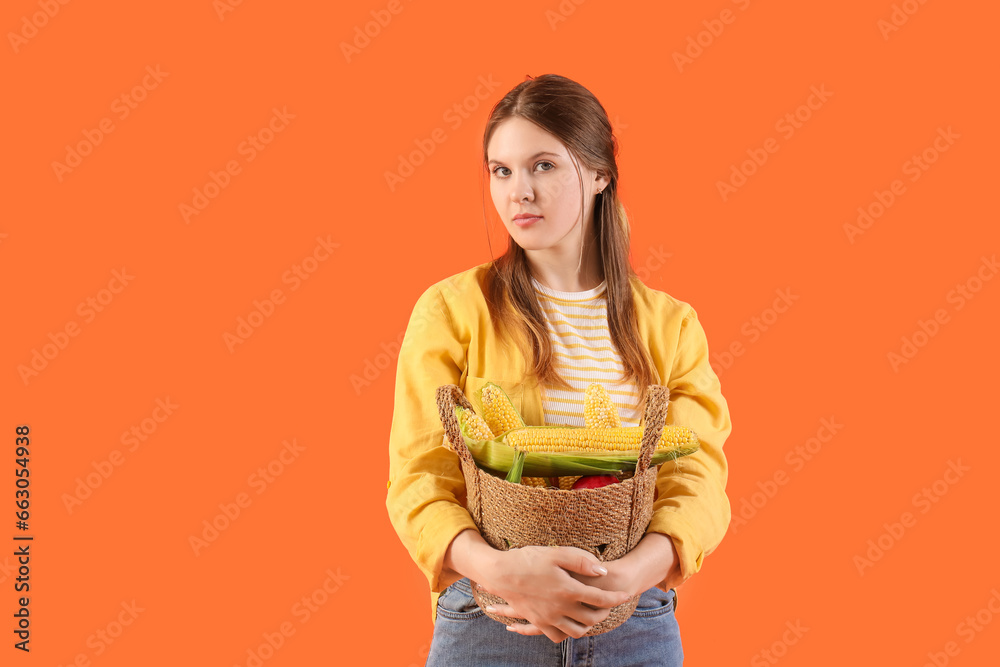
<point x="531" y="172"/>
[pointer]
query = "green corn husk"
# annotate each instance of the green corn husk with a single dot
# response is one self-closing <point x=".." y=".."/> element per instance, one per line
<point x="514" y="476"/>
<point x="498" y="458"/>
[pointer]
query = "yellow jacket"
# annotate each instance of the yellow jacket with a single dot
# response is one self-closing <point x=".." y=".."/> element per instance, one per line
<point x="450" y="340"/>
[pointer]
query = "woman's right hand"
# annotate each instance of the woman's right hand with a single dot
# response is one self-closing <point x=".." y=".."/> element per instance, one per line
<point x="537" y="587"/>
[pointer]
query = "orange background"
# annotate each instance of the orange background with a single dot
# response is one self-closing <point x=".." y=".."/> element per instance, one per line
<point x="323" y="174"/>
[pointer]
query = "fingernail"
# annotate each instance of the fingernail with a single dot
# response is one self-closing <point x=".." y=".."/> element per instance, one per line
<point x="491" y="609"/>
<point x="600" y="570"/>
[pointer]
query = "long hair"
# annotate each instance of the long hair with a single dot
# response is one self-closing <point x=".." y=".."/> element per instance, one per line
<point x="571" y="113"/>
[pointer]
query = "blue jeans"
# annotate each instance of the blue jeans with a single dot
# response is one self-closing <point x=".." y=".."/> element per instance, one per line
<point x="464" y="636"/>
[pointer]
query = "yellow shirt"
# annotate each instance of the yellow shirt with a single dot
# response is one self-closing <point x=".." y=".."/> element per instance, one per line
<point x="450" y="340"/>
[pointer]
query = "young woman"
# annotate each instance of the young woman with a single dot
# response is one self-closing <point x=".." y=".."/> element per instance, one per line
<point x="562" y="308"/>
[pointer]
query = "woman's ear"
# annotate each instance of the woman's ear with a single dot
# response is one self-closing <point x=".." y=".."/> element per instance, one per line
<point x="601" y="181"/>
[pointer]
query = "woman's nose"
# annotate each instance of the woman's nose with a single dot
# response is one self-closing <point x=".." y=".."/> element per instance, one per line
<point x="522" y="190"/>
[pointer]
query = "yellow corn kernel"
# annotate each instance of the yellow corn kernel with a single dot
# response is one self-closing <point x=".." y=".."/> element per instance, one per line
<point x="499" y="413"/>
<point x="475" y="426"/>
<point x="627" y="438"/>
<point x="566" y="483"/>
<point x="598" y="410"/>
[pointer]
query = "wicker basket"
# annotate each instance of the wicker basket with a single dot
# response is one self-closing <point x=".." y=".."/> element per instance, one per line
<point x="607" y="522"/>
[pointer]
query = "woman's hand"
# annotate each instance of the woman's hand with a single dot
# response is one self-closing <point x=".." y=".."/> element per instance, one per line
<point x="652" y="561"/>
<point x="620" y="577"/>
<point x="551" y="588"/>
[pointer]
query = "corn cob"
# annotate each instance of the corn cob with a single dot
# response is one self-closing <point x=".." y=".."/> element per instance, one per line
<point x="473" y="425"/>
<point x="500" y="457"/>
<point x="598" y="410"/>
<point x="498" y="410"/>
<point x="620" y="439"/>
<point x="566" y="482"/>
<point x="559" y="455"/>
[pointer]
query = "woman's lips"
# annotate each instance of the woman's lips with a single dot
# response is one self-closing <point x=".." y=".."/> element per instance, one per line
<point x="524" y="222"/>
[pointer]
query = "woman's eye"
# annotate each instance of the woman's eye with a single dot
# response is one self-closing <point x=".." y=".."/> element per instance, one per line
<point x="499" y="167"/>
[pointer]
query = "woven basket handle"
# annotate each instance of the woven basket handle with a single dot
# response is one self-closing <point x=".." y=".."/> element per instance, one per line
<point x="447" y="396"/>
<point x="656" y="416"/>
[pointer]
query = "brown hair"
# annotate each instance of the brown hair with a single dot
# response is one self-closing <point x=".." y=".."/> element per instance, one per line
<point x="571" y="113"/>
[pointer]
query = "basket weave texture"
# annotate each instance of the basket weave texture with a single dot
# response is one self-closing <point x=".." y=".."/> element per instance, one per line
<point x="608" y="522"/>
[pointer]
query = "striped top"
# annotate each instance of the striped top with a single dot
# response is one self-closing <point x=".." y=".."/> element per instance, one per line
<point x="583" y="353"/>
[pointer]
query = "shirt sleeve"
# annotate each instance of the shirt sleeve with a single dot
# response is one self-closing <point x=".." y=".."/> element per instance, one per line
<point x="692" y="507"/>
<point x="426" y="490"/>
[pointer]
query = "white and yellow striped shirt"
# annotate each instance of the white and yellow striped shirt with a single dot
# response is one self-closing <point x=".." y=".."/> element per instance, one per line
<point x="584" y="353"/>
